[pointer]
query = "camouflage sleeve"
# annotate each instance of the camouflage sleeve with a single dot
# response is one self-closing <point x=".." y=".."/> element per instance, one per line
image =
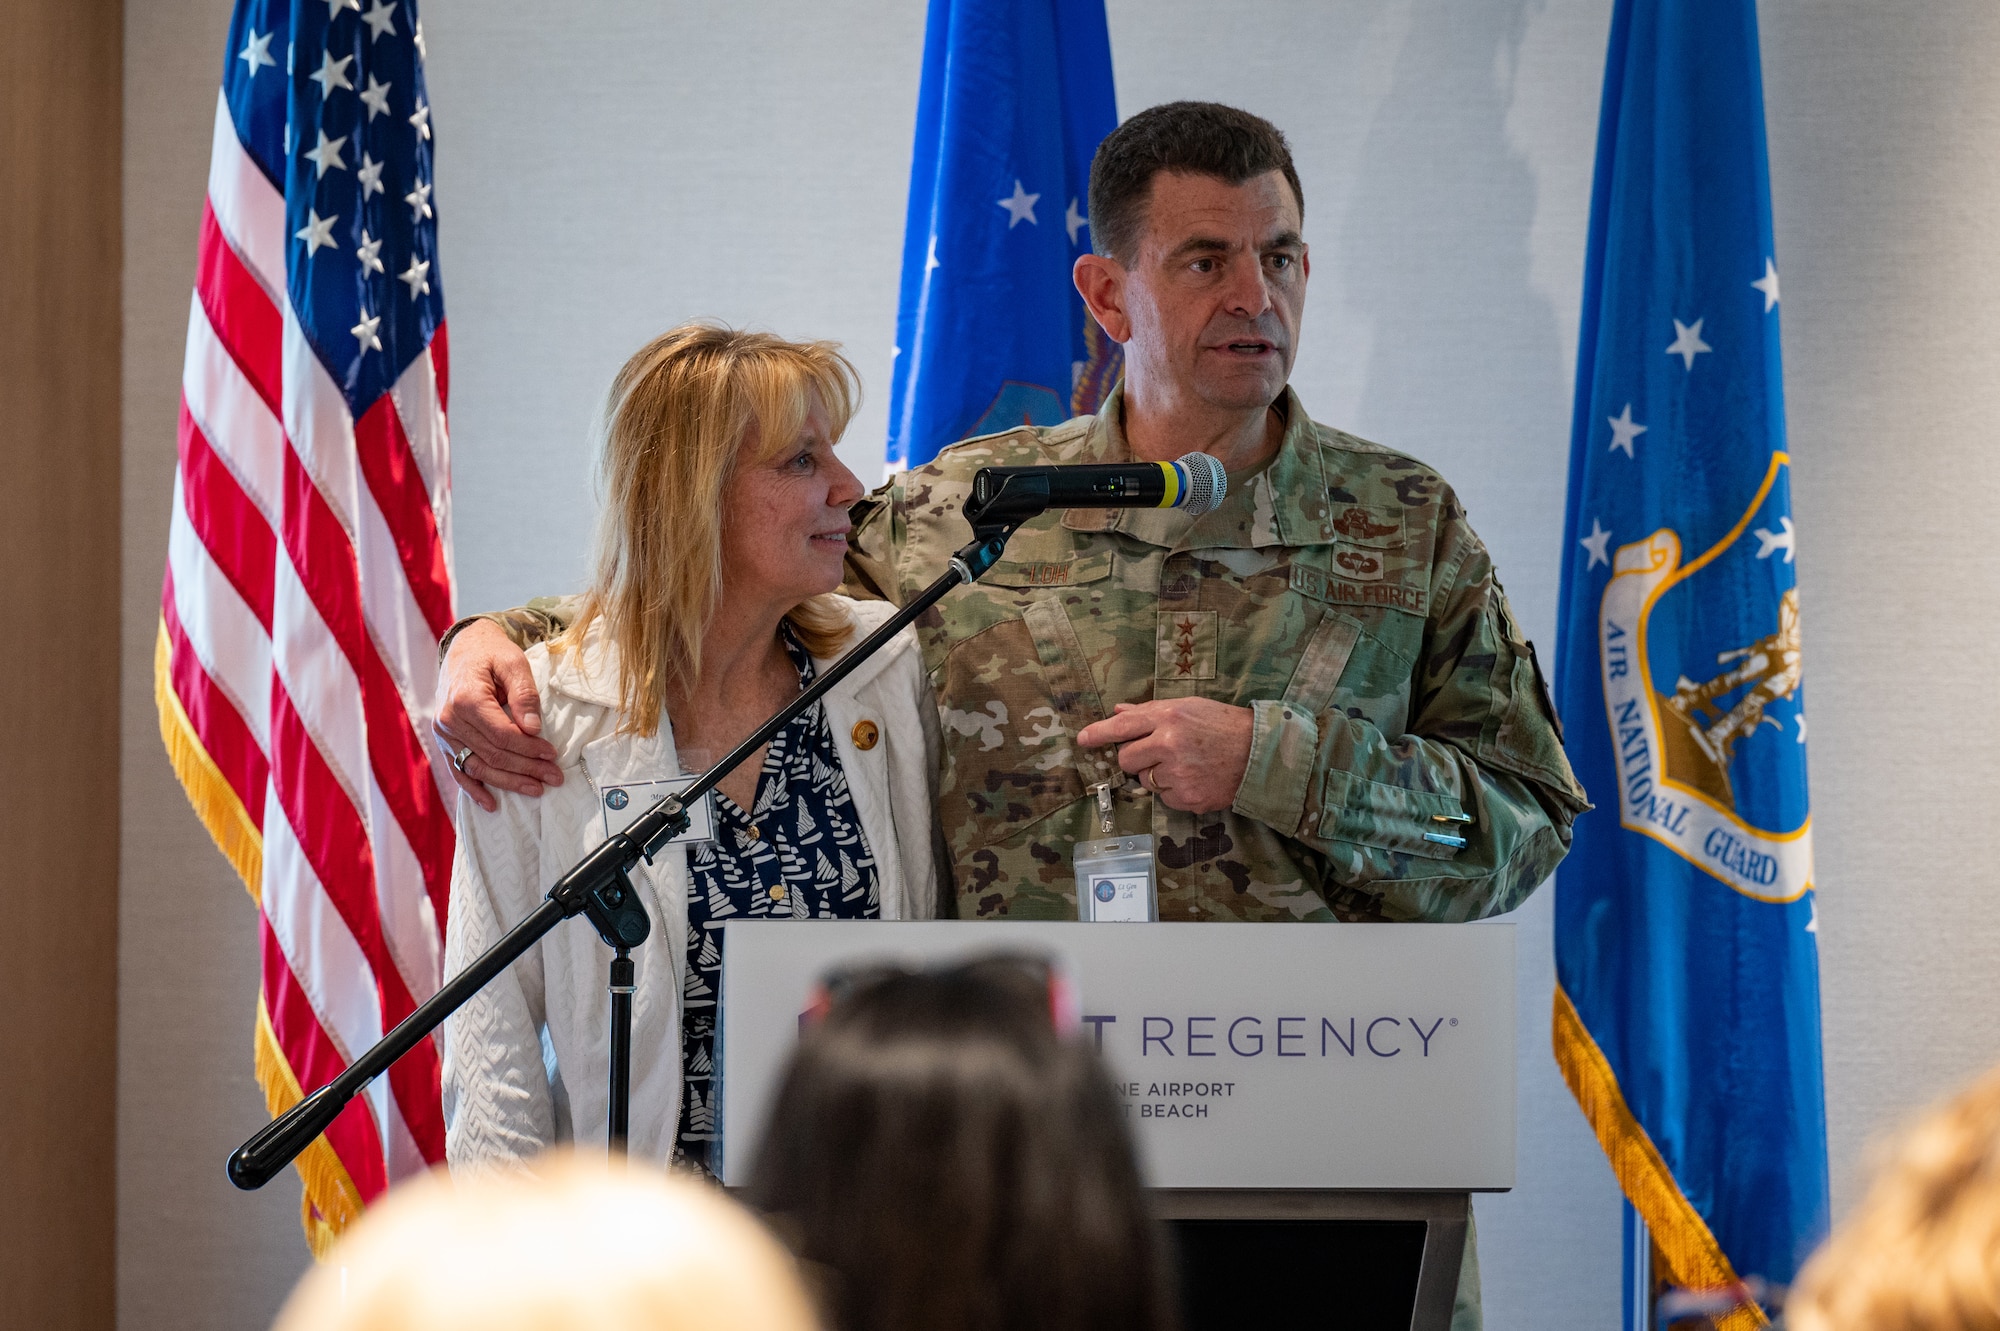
<point x="1482" y="762"/>
<point x="525" y="625"/>
<point x="871" y="548"/>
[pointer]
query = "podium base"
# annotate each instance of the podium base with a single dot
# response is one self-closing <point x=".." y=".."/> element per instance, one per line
<point x="1358" y="1261"/>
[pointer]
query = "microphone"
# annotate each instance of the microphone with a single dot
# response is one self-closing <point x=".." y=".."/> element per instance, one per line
<point x="1195" y="482"/>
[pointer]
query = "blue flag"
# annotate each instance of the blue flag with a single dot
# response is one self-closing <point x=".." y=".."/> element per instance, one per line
<point x="1687" y="1003"/>
<point x="990" y="333"/>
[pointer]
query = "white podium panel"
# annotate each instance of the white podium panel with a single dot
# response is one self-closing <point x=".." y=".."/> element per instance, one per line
<point x="1309" y="1056"/>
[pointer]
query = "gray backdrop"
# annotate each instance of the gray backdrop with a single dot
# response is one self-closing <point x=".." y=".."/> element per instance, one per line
<point x="606" y="169"/>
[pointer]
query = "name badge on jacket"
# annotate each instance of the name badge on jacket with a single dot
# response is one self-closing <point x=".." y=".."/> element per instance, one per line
<point x="622" y="804"/>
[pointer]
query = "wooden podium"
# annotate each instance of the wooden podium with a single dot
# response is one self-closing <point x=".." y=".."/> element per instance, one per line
<point x="1313" y="1105"/>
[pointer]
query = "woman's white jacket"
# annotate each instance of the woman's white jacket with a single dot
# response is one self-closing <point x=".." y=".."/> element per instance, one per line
<point x="527" y="1060"/>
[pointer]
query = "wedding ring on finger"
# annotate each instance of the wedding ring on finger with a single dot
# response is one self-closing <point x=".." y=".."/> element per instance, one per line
<point x="458" y="759"/>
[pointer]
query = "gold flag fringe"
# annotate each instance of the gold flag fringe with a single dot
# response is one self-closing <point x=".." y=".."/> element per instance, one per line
<point x="330" y="1201"/>
<point x="1693" y="1257"/>
<point x="237" y="835"/>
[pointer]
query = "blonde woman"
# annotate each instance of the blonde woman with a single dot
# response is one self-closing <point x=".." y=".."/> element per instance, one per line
<point x="723" y="533"/>
<point x="1922" y="1250"/>
<point x="581" y="1247"/>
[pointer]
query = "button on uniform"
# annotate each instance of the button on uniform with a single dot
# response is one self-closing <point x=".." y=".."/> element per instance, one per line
<point x="865" y="735"/>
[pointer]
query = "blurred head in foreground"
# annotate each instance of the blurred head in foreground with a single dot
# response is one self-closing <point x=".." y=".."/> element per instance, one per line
<point x="941" y="1157"/>
<point x="1922" y="1250"/>
<point x="580" y="1244"/>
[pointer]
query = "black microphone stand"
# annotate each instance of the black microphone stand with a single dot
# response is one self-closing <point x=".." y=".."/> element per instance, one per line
<point x="600" y="887"/>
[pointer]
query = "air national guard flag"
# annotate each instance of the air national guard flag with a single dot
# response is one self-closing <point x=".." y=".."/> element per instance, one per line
<point x="990" y="332"/>
<point x="1687" y="1001"/>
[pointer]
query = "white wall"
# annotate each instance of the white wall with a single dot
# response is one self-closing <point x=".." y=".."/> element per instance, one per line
<point x="1887" y="192"/>
<point x="608" y="173"/>
<point x="609" y="168"/>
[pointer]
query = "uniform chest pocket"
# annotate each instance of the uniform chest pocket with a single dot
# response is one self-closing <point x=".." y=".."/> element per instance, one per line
<point x="1354" y="663"/>
<point x="1017" y="694"/>
<point x="1322" y="663"/>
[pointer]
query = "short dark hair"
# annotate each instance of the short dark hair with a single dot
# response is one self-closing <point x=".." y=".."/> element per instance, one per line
<point x="1196" y="138"/>
<point x="940" y="1156"/>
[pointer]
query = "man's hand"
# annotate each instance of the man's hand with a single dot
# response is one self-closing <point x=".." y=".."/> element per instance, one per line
<point x="487" y="688"/>
<point x="1190" y="752"/>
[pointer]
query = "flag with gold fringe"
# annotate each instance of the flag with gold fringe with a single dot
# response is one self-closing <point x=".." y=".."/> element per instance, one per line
<point x="309" y="562"/>
<point x="1687" y="1001"/>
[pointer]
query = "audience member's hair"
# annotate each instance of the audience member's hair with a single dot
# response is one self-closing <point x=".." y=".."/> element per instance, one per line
<point x="1186" y="138"/>
<point x="580" y="1245"/>
<point x="942" y="1160"/>
<point x="1922" y="1250"/>
<point x="685" y="411"/>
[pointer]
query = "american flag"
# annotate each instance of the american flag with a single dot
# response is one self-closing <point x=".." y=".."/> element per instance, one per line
<point x="309" y="563"/>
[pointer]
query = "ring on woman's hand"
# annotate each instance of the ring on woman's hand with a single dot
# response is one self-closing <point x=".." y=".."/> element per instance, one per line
<point x="458" y="759"/>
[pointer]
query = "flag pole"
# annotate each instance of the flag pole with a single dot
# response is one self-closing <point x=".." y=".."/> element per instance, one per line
<point x="1638" y="1267"/>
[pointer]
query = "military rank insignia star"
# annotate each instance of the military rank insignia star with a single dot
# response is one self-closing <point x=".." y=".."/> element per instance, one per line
<point x="1186" y="645"/>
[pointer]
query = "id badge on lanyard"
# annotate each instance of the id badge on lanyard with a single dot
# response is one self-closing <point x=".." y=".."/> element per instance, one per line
<point x="1114" y="880"/>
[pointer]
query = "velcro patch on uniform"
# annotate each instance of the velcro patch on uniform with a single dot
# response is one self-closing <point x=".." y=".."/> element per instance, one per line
<point x="1338" y="591"/>
<point x="1358" y="523"/>
<point x="1357" y="564"/>
<point x="1186" y="645"/>
<point x="1065" y="572"/>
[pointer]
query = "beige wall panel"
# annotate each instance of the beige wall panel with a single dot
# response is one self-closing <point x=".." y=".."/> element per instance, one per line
<point x="192" y="1251"/>
<point x="59" y="98"/>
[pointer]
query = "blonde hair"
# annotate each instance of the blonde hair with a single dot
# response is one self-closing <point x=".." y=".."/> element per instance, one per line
<point x="579" y="1245"/>
<point x="1922" y="1250"/>
<point x="678" y="417"/>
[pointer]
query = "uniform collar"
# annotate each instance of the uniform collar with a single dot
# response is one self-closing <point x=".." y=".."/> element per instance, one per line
<point x="1285" y="504"/>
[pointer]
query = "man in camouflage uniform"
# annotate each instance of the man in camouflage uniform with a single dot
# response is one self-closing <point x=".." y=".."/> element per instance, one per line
<point x="1314" y="697"/>
<point x="1402" y="762"/>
